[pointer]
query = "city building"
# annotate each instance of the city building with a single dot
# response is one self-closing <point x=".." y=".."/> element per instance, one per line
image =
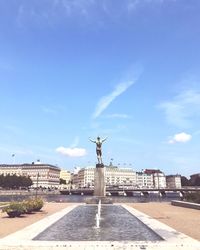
<point x="159" y="178"/>
<point x="42" y="175"/>
<point x="114" y="176"/>
<point x="65" y="175"/>
<point x="173" y="181"/>
<point x="144" y="180"/>
<point x="12" y="169"/>
<point x="120" y="176"/>
<point x="75" y="182"/>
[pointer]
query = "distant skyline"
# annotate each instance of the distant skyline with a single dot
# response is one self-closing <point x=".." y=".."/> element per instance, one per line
<point x="74" y="69"/>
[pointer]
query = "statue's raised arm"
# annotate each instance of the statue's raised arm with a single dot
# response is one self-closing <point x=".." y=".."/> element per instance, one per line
<point x="92" y="140"/>
<point x="105" y="139"/>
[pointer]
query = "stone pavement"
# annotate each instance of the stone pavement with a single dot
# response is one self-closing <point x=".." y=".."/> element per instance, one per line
<point x="22" y="240"/>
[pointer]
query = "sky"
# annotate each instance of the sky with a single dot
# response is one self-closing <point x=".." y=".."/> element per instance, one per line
<point x="71" y="70"/>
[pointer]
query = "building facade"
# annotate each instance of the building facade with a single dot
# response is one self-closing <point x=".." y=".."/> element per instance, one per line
<point x="120" y="176"/>
<point x="65" y="175"/>
<point x="42" y="175"/>
<point x="144" y="180"/>
<point x="173" y="181"/>
<point x="159" y="178"/>
<point x="113" y="176"/>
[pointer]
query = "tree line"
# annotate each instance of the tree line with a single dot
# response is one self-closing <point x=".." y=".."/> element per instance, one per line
<point x="14" y="182"/>
<point x="188" y="182"/>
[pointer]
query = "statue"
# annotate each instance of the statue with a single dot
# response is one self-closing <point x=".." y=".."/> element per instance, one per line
<point x="99" y="142"/>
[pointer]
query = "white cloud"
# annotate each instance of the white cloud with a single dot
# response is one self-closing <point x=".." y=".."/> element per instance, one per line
<point x="181" y="137"/>
<point x="71" y="152"/>
<point x="183" y="108"/>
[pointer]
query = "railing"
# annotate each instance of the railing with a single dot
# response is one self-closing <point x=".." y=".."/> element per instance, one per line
<point x="115" y="191"/>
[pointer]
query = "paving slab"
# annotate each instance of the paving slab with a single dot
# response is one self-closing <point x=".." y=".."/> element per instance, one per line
<point x="22" y="240"/>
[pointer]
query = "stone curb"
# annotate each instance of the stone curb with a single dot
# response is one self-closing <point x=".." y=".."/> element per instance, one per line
<point x="185" y="204"/>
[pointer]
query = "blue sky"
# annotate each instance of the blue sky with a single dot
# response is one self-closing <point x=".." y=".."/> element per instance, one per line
<point x="74" y="69"/>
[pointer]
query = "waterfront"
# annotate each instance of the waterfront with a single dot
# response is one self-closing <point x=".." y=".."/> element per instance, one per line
<point x="152" y="197"/>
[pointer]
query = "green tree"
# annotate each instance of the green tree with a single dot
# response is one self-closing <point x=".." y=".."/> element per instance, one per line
<point x="14" y="181"/>
<point x="197" y="181"/>
<point x="185" y="181"/>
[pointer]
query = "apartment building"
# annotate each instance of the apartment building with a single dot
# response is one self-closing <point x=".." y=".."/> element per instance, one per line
<point x="173" y="181"/>
<point x="42" y="175"/>
<point x="113" y="176"/>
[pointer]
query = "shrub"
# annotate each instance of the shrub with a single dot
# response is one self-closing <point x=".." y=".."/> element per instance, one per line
<point x="37" y="204"/>
<point x="15" y="209"/>
<point x="29" y="206"/>
<point x="193" y="197"/>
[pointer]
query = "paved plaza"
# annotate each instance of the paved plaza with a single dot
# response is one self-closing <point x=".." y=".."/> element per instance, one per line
<point x="17" y="233"/>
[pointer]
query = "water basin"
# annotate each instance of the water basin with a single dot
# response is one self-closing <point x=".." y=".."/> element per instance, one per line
<point x="116" y="224"/>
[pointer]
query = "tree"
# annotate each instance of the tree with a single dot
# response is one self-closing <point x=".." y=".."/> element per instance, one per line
<point x="197" y="181"/>
<point x="14" y="181"/>
<point x="184" y="181"/>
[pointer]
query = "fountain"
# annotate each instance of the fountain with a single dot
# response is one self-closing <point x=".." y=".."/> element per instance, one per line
<point x="97" y="221"/>
<point x="99" y="209"/>
<point x="98" y="215"/>
<point x="116" y="224"/>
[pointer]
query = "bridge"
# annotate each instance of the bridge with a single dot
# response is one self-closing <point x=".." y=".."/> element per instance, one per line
<point x="131" y="191"/>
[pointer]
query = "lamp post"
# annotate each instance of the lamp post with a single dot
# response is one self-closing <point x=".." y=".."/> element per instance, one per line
<point x="37" y="185"/>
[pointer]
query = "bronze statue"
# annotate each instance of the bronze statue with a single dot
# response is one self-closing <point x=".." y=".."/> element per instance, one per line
<point x="98" y="142"/>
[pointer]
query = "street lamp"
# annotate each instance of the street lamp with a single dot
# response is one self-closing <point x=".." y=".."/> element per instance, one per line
<point x="37" y="185"/>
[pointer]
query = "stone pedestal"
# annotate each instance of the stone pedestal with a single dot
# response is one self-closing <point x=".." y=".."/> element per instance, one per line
<point x="99" y="181"/>
<point x="99" y="187"/>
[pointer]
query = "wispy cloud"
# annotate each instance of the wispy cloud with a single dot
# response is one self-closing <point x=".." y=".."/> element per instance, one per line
<point x="82" y="6"/>
<point x="105" y="101"/>
<point x="132" y="5"/>
<point x="55" y="11"/>
<point x="180" y="138"/>
<point x="71" y="152"/>
<point x="50" y="12"/>
<point x="116" y="115"/>
<point x="119" y="89"/>
<point x="183" y="108"/>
